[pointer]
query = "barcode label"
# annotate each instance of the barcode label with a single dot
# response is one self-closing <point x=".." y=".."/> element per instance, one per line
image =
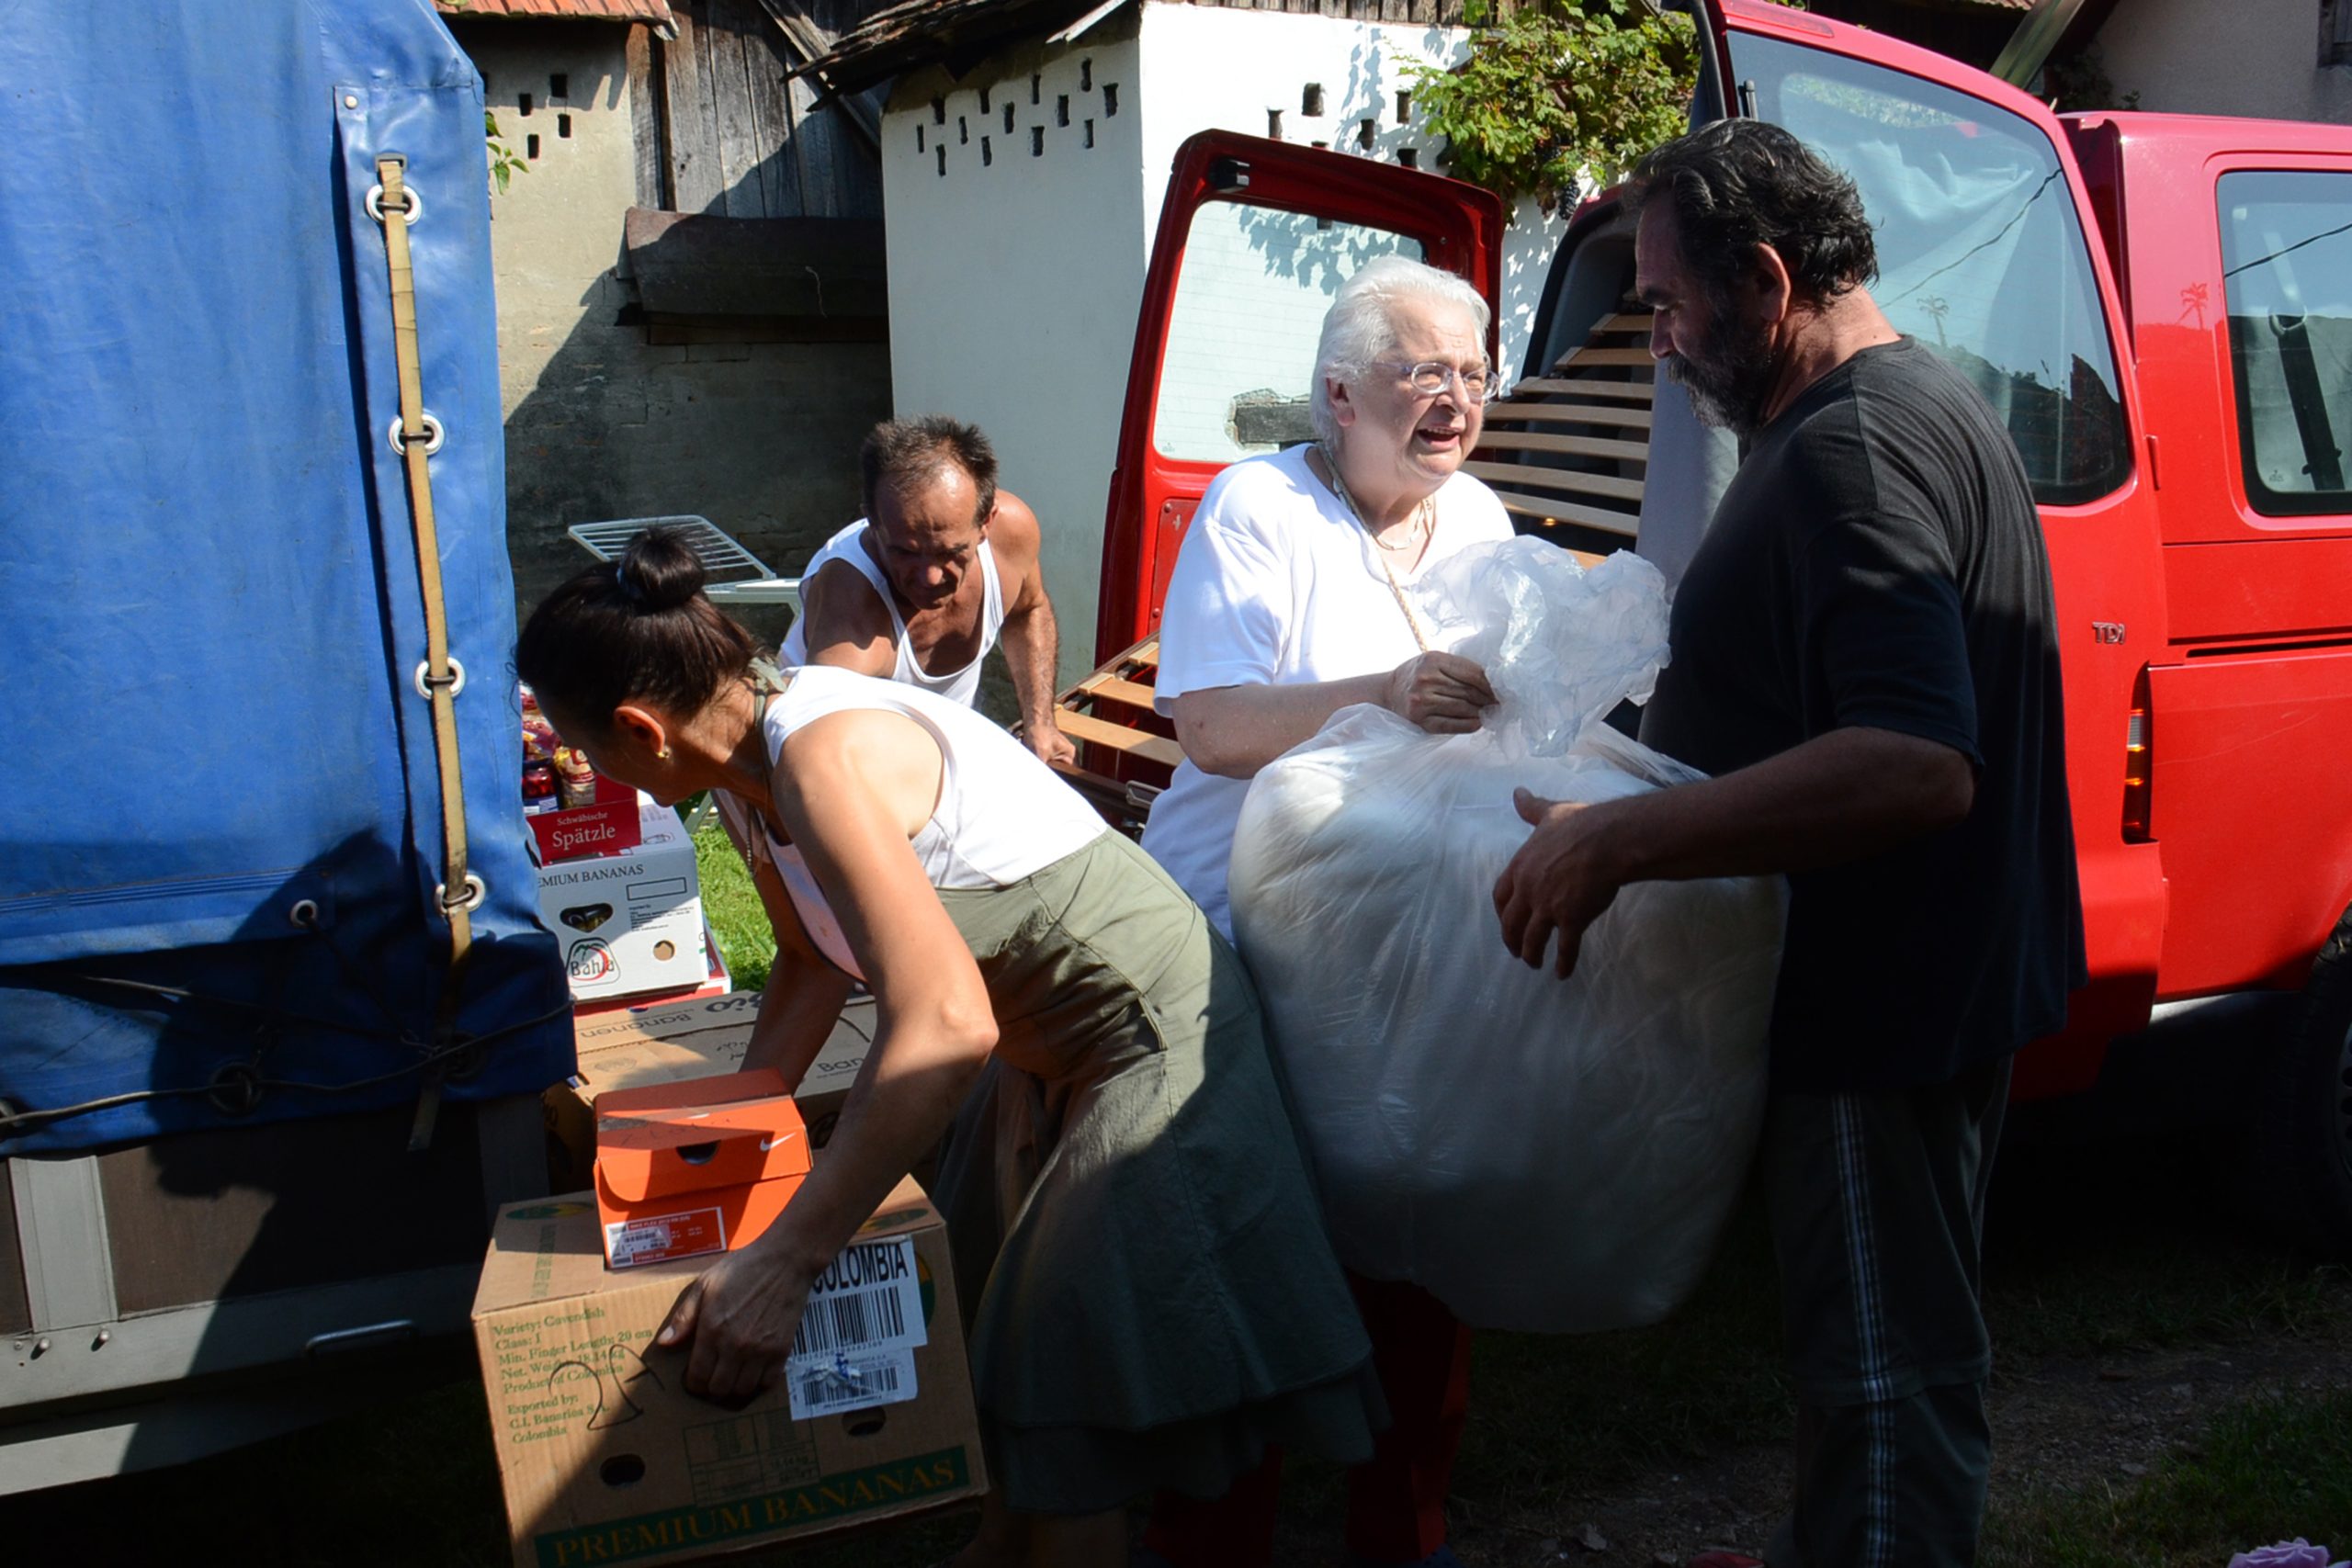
<point x="870" y="1298"/>
<point x="828" y="1385"/>
<point x="854" y="1321"/>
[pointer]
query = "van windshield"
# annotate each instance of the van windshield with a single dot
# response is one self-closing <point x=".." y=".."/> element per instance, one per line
<point x="1981" y="255"/>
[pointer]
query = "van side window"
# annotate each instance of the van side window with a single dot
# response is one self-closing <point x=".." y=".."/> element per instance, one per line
<point x="2287" y="275"/>
<point x="1980" y="254"/>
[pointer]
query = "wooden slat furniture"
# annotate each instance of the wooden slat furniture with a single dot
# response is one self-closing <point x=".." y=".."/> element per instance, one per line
<point x="1124" y="764"/>
<point x="1567" y="451"/>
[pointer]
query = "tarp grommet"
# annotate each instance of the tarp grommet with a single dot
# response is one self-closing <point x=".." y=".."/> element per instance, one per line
<point x="412" y="212"/>
<point x="235" y="1089"/>
<point x="469" y="899"/>
<point x="433" y="434"/>
<point x="305" y="913"/>
<point x="455" y="680"/>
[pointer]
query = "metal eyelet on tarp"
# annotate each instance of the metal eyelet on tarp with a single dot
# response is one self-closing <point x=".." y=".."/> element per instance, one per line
<point x="434" y="435"/>
<point x="455" y="680"/>
<point x="468" y="900"/>
<point x="413" y="211"/>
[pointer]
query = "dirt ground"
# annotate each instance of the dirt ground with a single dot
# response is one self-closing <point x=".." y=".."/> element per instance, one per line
<point x="2072" y="1423"/>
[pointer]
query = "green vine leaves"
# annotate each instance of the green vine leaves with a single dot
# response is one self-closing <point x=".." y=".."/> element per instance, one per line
<point x="1556" y="89"/>
<point x="503" y="161"/>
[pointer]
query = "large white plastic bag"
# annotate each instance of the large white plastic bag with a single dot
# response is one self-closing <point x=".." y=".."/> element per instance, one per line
<point x="1539" y="1154"/>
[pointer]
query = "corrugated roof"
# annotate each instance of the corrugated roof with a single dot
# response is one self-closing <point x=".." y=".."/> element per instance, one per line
<point x="655" y="11"/>
<point x="961" y="33"/>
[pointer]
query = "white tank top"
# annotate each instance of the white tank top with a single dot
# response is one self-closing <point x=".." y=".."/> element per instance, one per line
<point x="957" y="685"/>
<point x="1001" y="815"/>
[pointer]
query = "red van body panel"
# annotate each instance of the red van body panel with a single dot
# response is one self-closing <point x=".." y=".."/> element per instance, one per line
<point x="2219" y="637"/>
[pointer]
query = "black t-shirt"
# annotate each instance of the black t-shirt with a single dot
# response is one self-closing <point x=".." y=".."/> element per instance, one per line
<point x="1878" y="562"/>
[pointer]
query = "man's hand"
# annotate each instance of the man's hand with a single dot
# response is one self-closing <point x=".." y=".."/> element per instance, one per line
<point x="741" y="1315"/>
<point x="1049" y="743"/>
<point x="1554" y="884"/>
<point x="1442" y="693"/>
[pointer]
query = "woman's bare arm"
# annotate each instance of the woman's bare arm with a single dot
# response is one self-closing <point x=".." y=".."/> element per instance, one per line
<point x="1236" y="731"/>
<point x="804" y="994"/>
<point x="852" y="789"/>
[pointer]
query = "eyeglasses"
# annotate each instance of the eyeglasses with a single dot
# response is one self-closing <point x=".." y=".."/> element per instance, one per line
<point x="1432" y="377"/>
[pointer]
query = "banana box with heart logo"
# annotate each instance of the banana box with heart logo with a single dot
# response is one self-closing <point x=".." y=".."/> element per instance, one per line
<point x="606" y="1458"/>
<point x="632" y="921"/>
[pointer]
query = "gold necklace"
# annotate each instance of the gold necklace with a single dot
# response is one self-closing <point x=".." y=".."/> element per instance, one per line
<point x="1424" y="515"/>
<point x="1427" y="512"/>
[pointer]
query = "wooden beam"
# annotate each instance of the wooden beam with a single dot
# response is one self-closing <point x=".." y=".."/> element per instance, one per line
<point x="1119" y="737"/>
<point x="1582" y="387"/>
<point x="1573" y="445"/>
<point x="695" y="177"/>
<point x="1632" y="358"/>
<point x="646" y="113"/>
<point x="1545" y="506"/>
<point x="1107" y="687"/>
<point x="1568" y="413"/>
<point x="1532" y="475"/>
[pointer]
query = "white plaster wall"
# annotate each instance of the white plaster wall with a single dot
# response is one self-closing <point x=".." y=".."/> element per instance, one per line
<point x="1213" y="68"/>
<point x="2264" y="63"/>
<point x="1015" y="277"/>
<point x="553" y="228"/>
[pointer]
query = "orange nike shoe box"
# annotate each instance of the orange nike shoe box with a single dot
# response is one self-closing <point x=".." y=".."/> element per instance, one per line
<point x="695" y="1166"/>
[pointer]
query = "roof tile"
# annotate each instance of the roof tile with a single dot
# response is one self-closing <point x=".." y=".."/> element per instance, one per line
<point x="656" y="11"/>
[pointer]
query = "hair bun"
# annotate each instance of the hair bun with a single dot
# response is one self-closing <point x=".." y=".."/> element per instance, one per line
<point x="660" y="571"/>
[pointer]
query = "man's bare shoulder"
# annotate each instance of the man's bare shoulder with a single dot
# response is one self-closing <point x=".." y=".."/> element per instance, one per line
<point x="1014" y="534"/>
<point x="846" y="623"/>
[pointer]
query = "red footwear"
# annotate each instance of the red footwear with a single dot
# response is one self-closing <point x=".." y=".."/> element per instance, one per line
<point x="1724" y="1559"/>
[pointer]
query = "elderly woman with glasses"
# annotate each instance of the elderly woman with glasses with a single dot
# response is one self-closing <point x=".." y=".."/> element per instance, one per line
<point x="1288" y="603"/>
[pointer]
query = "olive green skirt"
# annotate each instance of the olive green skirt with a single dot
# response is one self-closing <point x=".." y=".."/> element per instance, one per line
<point x="1159" y="1299"/>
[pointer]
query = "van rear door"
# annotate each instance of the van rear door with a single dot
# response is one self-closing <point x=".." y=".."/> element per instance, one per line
<point x="1255" y="237"/>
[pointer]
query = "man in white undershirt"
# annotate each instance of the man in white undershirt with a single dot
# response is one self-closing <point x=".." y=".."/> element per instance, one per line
<point x="942" y="565"/>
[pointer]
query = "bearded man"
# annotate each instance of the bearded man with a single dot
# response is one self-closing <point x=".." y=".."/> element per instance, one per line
<point x="1864" y="660"/>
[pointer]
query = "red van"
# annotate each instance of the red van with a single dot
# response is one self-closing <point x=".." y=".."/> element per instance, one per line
<point x="2161" y="308"/>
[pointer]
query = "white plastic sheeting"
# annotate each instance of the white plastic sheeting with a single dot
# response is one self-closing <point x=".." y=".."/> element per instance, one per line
<point x="1539" y="1154"/>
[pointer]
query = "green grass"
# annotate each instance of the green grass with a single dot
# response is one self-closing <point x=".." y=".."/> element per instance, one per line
<point x="732" y="907"/>
<point x="2272" y="1468"/>
<point x="2126" y="1245"/>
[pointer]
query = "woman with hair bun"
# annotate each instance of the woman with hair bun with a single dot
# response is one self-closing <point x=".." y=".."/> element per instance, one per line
<point x="1160" y="1300"/>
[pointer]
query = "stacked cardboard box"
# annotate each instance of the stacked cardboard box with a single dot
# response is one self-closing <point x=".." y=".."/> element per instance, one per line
<point x="631" y="921"/>
<point x="691" y="1038"/>
<point x="605" y="1457"/>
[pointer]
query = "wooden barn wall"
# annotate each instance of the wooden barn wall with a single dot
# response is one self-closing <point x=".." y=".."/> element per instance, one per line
<point x="736" y="139"/>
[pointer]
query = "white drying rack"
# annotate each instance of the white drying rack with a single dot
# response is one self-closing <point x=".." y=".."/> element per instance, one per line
<point x="720" y="554"/>
<point x="732" y="575"/>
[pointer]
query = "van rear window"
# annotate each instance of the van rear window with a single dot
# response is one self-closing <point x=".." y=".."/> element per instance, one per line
<point x="1980" y="254"/>
<point x="2287" y="275"/>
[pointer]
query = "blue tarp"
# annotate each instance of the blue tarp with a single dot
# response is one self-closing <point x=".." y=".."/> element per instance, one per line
<point x="209" y="608"/>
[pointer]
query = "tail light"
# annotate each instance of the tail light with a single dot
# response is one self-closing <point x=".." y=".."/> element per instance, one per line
<point x="2138" y="759"/>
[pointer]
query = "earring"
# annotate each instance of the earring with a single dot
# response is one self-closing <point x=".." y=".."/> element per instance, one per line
<point x="662" y="755"/>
